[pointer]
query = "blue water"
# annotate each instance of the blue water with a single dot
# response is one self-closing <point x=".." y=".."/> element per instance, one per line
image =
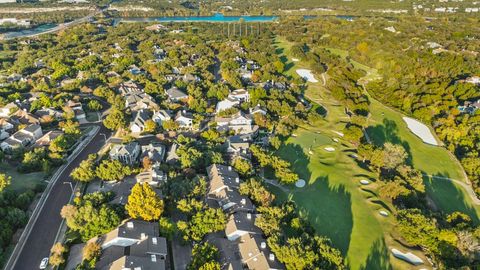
<point x="218" y="17"/>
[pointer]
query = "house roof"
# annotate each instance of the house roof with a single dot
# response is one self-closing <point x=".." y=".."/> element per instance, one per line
<point x="184" y="114"/>
<point x="220" y="176"/>
<point x="241" y="221"/>
<point x="140" y="117"/>
<point x="172" y="153"/>
<point x="23" y="117"/>
<point x="46" y="139"/>
<point x="32" y="128"/>
<point x="256" y="254"/>
<point x="151" y="262"/>
<point x="150" y="245"/>
<point x="226" y="196"/>
<point x="133" y="229"/>
<point x="128" y="87"/>
<point x="175" y="93"/>
<point x="124" y="149"/>
<point x="154" y="151"/>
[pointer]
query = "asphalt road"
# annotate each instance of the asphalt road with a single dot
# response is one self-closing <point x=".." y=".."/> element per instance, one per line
<point x="38" y="243"/>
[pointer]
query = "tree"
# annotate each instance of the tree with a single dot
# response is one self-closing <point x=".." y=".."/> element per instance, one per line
<point x="275" y="142"/>
<point x="71" y="127"/>
<point x="85" y="172"/>
<point x="203" y="222"/>
<point x="257" y="192"/>
<point x="394" y="155"/>
<point x="94" y="105"/>
<point x="56" y="256"/>
<point x="150" y="126"/>
<point x="5" y="181"/>
<point x="203" y="257"/>
<point x="144" y="203"/>
<point x="242" y="166"/>
<point x="91" y="251"/>
<point x="170" y="125"/>
<point x="115" y="120"/>
<point x="112" y="170"/>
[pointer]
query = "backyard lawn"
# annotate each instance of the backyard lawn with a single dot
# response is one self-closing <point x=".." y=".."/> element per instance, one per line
<point x="21" y="182"/>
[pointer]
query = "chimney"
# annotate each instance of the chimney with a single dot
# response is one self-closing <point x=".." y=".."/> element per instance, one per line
<point x="153" y="258"/>
<point x="154" y="240"/>
<point x="271" y="257"/>
<point x="243" y="201"/>
<point x="229" y="168"/>
<point x="249" y="216"/>
<point x="130" y="225"/>
<point x="237" y="180"/>
<point x="263" y="245"/>
<point x="143" y="236"/>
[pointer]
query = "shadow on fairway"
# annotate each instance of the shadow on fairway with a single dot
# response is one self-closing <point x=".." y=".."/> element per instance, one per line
<point x="378" y="259"/>
<point x="329" y="209"/>
<point x="448" y="196"/>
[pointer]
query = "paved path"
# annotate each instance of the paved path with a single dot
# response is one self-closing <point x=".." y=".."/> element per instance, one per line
<point x="40" y="233"/>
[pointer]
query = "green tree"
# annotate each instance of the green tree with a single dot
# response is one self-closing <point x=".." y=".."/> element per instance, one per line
<point x="204" y="257"/>
<point x="150" y="126"/>
<point x="85" y="172"/>
<point x="5" y="181"/>
<point x="112" y="170"/>
<point x="144" y="203"/>
<point x="115" y="120"/>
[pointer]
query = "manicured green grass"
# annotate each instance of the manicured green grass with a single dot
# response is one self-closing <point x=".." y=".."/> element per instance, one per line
<point x="333" y="201"/>
<point x="21" y="182"/>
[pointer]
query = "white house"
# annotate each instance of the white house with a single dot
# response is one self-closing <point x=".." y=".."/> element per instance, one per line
<point x="184" y="119"/>
<point x="240" y="94"/>
<point x="160" y="116"/>
<point x="239" y="122"/>
<point x="22" y="138"/>
<point x="226" y="104"/>
<point x="139" y="119"/>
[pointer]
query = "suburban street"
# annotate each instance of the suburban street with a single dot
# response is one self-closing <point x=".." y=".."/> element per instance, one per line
<point x="45" y="227"/>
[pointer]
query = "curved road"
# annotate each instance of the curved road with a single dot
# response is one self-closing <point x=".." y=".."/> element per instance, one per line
<point x="42" y="230"/>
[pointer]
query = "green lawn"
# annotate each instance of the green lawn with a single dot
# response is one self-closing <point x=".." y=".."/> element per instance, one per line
<point x="333" y="200"/>
<point x="21" y="182"/>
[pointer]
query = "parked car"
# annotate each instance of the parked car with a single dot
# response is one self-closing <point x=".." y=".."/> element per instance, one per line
<point x="44" y="263"/>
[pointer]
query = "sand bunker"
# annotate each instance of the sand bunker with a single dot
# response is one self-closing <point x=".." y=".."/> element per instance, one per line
<point x="329" y="149"/>
<point x="421" y="130"/>
<point x="295" y="59"/>
<point x="384" y="213"/>
<point x="307" y="75"/>
<point x="364" y="182"/>
<point x="409" y="257"/>
<point x="300" y="183"/>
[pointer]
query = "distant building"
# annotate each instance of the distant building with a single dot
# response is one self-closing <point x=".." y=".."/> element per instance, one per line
<point x="160" y="116"/>
<point x="46" y="139"/>
<point x="239" y="122"/>
<point x="127" y="87"/>
<point x="8" y="109"/>
<point x="256" y="255"/>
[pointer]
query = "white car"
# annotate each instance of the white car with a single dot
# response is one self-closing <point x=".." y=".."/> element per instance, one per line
<point x="44" y="263"/>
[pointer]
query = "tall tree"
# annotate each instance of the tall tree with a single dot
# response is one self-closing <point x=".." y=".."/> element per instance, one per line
<point x="144" y="203"/>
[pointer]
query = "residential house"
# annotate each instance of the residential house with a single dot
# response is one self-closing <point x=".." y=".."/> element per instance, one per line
<point x="138" y="100"/>
<point x="6" y="124"/>
<point x="46" y="139"/>
<point x="77" y="109"/>
<point x="138" y="123"/>
<point x="239" y="122"/>
<point x="55" y="114"/>
<point x="126" y="153"/>
<point x="174" y="94"/>
<point x="155" y="152"/>
<point x="469" y="107"/>
<point x="134" y="70"/>
<point x="256" y="255"/>
<point x="8" y="109"/>
<point x="160" y="116"/>
<point x="22" y="138"/>
<point x="240" y="224"/>
<point x="226" y="104"/>
<point x="240" y="94"/>
<point x="237" y="146"/>
<point x="189" y="78"/>
<point x="473" y="80"/>
<point x="128" y="87"/>
<point x="184" y="119"/>
<point x="154" y="177"/>
<point x="172" y="156"/>
<point x="22" y="117"/>
<point x="258" y="109"/>
<point x="275" y="85"/>
<point x="133" y="245"/>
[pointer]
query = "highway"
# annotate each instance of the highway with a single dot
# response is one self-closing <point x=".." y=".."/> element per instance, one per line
<point x="42" y="229"/>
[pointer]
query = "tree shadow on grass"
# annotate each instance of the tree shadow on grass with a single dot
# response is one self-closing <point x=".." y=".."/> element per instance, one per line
<point x="379" y="258"/>
<point x="294" y="154"/>
<point x="388" y="132"/>
<point x="449" y="197"/>
<point x="329" y="210"/>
